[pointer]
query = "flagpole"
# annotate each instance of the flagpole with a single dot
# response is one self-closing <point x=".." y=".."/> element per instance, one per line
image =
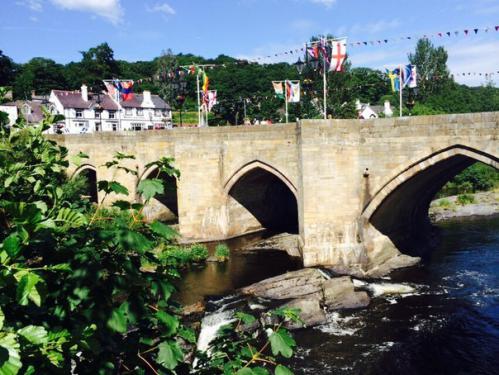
<point x="199" y="100"/>
<point x="401" y="86"/>
<point x="286" y="98"/>
<point x="324" y="84"/>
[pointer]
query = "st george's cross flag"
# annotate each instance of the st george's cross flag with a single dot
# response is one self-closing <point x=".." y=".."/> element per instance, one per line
<point x="338" y="55"/>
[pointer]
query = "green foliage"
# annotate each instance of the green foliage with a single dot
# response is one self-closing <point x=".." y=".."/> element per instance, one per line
<point x="464" y="199"/>
<point x="478" y="177"/>
<point x="72" y="276"/>
<point x="222" y="252"/>
<point x="198" y="253"/>
<point x="444" y="203"/>
<point x="248" y="346"/>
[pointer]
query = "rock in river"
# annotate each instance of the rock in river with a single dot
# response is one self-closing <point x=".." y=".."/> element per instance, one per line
<point x="339" y="293"/>
<point x="291" y="285"/>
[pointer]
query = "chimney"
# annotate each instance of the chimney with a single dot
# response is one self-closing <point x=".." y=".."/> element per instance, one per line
<point x="33" y="93"/>
<point x="84" y="92"/>
<point x="388" y="110"/>
<point x="147" y="101"/>
<point x="358" y="106"/>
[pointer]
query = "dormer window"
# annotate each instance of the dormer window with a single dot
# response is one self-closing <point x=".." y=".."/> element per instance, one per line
<point x="140" y="112"/>
<point x="26" y="110"/>
<point x="79" y="113"/>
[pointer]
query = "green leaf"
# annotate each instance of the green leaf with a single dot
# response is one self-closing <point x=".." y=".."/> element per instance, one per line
<point x="70" y="218"/>
<point x="12" y="245"/>
<point x="2" y="318"/>
<point x="60" y="267"/>
<point x="34" y="334"/>
<point x="10" y="361"/>
<point x="245" y="318"/>
<point x="150" y="188"/>
<point x="170" y="322"/>
<point x="121" y="156"/>
<point x="26" y="289"/>
<point x="281" y="342"/>
<point x="163" y="230"/>
<point x="245" y="371"/>
<point x="169" y="355"/>
<point x="120" y="318"/>
<point x="261" y="371"/>
<point x="122" y="205"/>
<point x="282" y="370"/>
<point x="132" y="240"/>
<point x="117" y="188"/>
<point x="187" y="334"/>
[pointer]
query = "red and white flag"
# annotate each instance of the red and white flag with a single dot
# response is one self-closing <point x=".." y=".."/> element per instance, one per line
<point x="338" y="55"/>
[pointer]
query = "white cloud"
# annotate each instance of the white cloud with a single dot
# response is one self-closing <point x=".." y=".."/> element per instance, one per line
<point x="164" y="8"/>
<point x="34" y="5"/>
<point x="111" y="10"/>
<point x="326" y="3"/>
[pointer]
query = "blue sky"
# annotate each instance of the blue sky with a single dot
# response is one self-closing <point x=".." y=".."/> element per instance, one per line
<point x="141" y="29"/>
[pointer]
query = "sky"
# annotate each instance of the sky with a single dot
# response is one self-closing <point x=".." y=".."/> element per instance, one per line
<point x="142" y="29"/>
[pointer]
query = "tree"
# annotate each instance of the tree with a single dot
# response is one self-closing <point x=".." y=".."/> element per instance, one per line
<point x="40" y="75"/>
<point x="167" y="71"/>
<point x="98" y="63"/>
<point x="431" y="64"/>
<point x="7" y="70"/>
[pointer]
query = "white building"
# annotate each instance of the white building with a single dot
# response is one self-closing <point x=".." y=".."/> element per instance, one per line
<point x="86" y="112"/>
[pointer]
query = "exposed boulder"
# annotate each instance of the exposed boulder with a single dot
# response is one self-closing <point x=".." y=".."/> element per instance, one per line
<point x="311" y="312"/>
<point x="291" y="285"/>
<point x="339" y="293"/>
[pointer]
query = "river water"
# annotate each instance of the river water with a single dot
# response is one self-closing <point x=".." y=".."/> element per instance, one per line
<point x="447" y="324"/>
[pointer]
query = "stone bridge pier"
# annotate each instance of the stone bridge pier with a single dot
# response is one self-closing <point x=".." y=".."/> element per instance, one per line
<point x="356" y="191"/>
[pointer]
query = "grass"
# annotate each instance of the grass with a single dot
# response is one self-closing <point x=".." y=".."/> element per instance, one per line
<point x="465" y="199"/>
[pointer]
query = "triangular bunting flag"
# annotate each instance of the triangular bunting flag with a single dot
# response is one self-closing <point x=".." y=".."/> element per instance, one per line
<point x="466" y="32"/>
<point x="476" y="31"/>
<point x="448" y="33"/>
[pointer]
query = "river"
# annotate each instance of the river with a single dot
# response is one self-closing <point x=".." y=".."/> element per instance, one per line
<point x="448" y="325"/>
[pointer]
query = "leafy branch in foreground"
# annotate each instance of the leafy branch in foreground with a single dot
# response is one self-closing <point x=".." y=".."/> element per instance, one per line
<point x="85" y="288"/>
<point x="249" y="346"/>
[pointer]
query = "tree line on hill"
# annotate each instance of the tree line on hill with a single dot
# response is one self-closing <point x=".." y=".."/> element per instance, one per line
<point x="245" y="87"/>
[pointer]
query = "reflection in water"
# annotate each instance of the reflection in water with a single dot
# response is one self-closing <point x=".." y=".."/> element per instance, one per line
<point x="243" y="268"/>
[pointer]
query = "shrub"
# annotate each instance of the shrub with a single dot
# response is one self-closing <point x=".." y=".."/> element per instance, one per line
<point x="198" y="253"/>
<point x="465" y="199"/>
<point x="222" y="252"/>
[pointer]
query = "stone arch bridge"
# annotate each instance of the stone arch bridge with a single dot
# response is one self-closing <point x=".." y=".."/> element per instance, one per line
<point x="355" y="191"/>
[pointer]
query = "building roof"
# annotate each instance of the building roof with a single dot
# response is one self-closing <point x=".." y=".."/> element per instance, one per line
<point x="35" y="113"/>
<point x="73" y="99"/>
<point x="137" y="99"/>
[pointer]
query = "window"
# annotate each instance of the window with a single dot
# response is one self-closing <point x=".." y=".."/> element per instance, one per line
<point x="79" y="113"/>
<point x="112" y="114"/>
<point x="157" y="112"/>
<point x="115" y="126"/>
<point x="97" y="126"/>
<point x="97" y="113"/>
<point x="137" y="126"/>
<point x="128" y="111"/>
<point x="140" y="112"/>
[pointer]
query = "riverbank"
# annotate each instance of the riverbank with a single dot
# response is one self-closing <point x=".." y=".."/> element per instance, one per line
<point x="477" y="204"/>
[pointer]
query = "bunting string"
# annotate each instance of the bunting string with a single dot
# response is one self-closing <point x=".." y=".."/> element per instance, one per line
<point x="383" y="41"/>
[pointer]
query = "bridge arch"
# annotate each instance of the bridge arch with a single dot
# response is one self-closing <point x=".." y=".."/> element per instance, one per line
<point x="163" y="207"/>
<point x="399" y="209"/>
<point x="89" y="172"/>
<point x="259" y="196"/>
